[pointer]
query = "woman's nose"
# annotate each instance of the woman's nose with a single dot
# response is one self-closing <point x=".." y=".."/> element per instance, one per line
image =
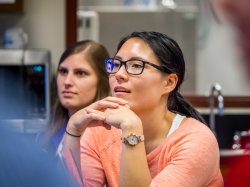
<point x="121" y="74"/>
<point x="68" y="79"/>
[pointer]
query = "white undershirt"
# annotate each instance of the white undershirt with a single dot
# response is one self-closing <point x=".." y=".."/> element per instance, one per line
<point x="175" y="124"/>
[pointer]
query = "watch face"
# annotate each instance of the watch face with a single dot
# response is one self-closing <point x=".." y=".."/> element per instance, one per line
<point x="132" y="140"/>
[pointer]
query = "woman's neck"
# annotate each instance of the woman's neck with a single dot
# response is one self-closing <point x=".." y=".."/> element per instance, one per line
<point x="71" y="112"/>
<point x="156" y="125"/>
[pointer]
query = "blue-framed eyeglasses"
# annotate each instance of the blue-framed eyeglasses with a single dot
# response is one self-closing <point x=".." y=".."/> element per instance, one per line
<point x="132" y="66"/>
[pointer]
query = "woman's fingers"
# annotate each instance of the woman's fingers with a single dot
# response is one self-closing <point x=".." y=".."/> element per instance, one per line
<point x="95" y="111"/>
<point x="116" y="100"/>
<point x="108" y="102"/>
<point x="83" y="117"/>
<point x="95" y="114"/>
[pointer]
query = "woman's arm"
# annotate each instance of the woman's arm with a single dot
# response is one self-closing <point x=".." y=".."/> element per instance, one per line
<point x="76" y="126"/>
<point x="134" y="170"/>
<point x="71" y="159"/>
<point x="134" y="166"/>
<point x="71" y="151"/>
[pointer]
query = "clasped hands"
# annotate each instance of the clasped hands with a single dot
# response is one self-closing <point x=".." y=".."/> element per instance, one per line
<point x="110" y="110"/>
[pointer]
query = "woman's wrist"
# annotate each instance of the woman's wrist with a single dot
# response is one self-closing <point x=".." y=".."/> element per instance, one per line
<point x="72" y="134"/>
<point x="73" y="131"/>
<point x="128" y="127"/>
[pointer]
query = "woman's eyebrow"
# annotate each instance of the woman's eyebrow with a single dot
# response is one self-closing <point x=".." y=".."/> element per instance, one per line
<point x="80" y="69"/>
<point x="131" y="58"/>
<point x="61" y="66"/>
<point x="117" y="57"/>
<point x="137" y="58"/>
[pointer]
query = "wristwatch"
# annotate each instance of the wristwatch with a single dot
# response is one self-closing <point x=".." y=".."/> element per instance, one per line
<point x="132" y="139"/>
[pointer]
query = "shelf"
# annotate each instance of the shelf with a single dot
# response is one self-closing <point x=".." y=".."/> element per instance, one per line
<point x="229" y="101"/>
<point x="231" y="152"/>
<point x="17" y="6"/>
<point x="138" y="9"/>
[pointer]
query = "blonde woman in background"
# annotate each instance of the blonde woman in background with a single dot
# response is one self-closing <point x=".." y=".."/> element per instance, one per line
<point x="81" y="79"/>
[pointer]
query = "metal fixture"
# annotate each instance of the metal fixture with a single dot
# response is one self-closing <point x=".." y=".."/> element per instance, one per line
<point x="241" y="140"/>
<point x="237" y="139"/>
<point x="215" y="88"/>
<point x="169" y="4"/>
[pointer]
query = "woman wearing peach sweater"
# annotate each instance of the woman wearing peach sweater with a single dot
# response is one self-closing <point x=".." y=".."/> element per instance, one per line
<point x="145" y="134"/>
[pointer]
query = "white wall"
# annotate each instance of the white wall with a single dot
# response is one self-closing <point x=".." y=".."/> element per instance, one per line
<point x="219" y="59"/>
<point x="174" y="24"/>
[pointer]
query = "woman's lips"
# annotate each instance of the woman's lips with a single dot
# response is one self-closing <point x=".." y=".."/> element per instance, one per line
<point x="68" y="93"/>
<point x="121" y="90"/>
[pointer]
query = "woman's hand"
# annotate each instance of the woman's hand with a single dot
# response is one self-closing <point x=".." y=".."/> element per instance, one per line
<point x="120" y="117"/>
<point x="124" y="118"/>
<point x="80" y="120"/>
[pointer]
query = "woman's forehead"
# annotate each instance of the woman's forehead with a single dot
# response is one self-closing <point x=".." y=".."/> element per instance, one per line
<point x="135" y="47"/>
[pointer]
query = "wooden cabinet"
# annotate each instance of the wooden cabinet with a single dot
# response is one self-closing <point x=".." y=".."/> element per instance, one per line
<point x="200" y="101"/>
<point x="11" y="7"/>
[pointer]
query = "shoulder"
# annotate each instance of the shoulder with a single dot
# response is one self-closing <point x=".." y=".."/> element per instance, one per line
<point x="191" y="126"/>
<point x="192" y="134"/>
<point x="191" y="150"/>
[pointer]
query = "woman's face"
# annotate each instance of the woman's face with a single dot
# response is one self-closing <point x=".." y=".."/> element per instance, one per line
<point x="142" y="91"/>
<point x="76" y="82"/>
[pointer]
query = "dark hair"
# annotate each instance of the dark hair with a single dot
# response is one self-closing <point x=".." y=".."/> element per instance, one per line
<point x="95" y="54"/>
<point x="170" y="56"/>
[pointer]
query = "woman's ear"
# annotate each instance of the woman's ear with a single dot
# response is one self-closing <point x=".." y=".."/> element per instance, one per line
<point x="170" y="82"/>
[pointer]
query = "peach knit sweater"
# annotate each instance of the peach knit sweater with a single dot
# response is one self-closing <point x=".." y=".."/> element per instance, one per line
<point x="188" y="157"/>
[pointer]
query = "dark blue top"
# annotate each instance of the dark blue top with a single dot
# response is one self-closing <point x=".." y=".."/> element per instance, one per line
<point x="57" y="137"/>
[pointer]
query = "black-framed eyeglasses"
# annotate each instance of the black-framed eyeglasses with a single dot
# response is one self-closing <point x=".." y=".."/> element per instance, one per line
<point x="132" y="66"/>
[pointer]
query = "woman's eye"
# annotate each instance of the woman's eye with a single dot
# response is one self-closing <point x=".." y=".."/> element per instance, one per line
<point x="81" y="73"/>
<point x="116" y="65"/>
<point x="62" y="71"/>
<point x="137" y="65"/>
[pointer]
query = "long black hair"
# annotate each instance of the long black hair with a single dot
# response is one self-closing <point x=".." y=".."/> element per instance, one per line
<point x="170" y="56"/>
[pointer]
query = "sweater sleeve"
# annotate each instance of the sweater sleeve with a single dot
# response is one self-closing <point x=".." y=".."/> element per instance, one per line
<point x="70" y="164"/>
<point x="91" y="165"/>
<point x="190" y="159"/>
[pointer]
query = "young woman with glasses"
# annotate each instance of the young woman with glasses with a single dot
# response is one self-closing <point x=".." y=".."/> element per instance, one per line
<point x="145" y="134"/>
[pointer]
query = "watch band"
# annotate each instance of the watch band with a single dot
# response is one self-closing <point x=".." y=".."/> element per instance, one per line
<point x="132" y="139"/>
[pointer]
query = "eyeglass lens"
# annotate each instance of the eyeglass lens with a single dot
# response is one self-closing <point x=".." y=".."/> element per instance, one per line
<point x="132" y="66"/>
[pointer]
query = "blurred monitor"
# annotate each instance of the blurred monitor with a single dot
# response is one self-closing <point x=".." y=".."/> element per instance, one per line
<point x="24" y="89"/>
